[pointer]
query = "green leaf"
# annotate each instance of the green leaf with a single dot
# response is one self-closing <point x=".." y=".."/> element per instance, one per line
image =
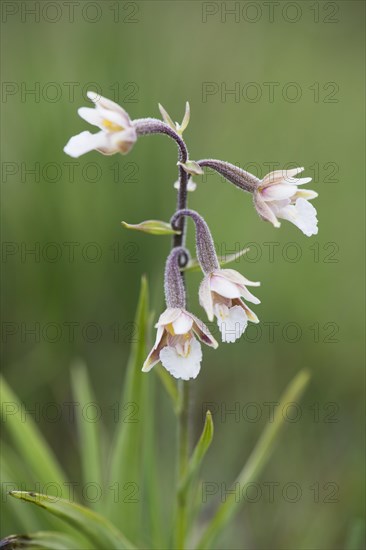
<point x="88" y="431"/>
<point x="199" y="452"/>
<point x="193" y="264"/>
<point x="95" y="527"/>
<point x="126" y="455"/>
<point x="191" y="167"/>
<point x="28" y="441"/>
<point x="153" y="227"/>
<point x="255" y="462"/>
<point x="50" y="540"/>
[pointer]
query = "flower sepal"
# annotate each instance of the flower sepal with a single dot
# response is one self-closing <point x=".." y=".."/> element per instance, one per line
<point x="153" y="227"/>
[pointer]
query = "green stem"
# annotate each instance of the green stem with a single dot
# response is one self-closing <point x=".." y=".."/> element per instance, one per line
<point x="183" y="460"/>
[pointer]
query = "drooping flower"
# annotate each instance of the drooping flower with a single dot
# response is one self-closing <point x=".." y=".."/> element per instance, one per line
<point x="176" y="346"/>
<point x="278" y="196"/>
<point x="117" y="134"/>
<point x="221" y="290"/>
<point x="220" y="294"/>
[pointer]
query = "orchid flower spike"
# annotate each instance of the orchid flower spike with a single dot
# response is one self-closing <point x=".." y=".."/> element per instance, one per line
<point x="221" y="290"/>
<point x="117" y="134"/>
<point x="278" y="196"/>
<point x="176" y="346"/>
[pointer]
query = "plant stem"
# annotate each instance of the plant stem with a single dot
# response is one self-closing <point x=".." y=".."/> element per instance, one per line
<point x="146" y="126"/>
<point x="183" y="460"/>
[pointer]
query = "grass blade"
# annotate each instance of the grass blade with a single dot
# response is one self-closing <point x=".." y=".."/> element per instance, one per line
<point x="88" y="431"/>
<point x="126" y="457"/>
<point x="255" y="462"/>
<point x="50" y="540"/>
<point x="95" y="527"/>
<point x="28" y="440"/>
<point x="199" y="452"/>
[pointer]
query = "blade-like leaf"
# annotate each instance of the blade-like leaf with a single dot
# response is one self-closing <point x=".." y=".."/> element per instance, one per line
<point x="199" y="452"/>
<point x="255" y="462"/>
<point x="29" y="442"/>
<point x="153" y="227"/>
<point x="95" y="527"/>
<point x="125" y="507"/>
<point x="50" y="540"/>
<point x="88" y="432"/>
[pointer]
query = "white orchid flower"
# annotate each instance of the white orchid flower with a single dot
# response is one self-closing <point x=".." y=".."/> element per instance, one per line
<point x="117" y="135"/>
<point x="220" y="294"/>
<point x="278" y="196"/>
<point x="176" y="346"/>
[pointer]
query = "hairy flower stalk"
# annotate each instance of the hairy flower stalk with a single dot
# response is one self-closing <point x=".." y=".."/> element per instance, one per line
<point x="146" y="126"/>
<point x="222" y="290"/>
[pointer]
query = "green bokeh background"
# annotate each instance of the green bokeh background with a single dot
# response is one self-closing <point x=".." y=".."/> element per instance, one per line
<point x="167" y="55"/>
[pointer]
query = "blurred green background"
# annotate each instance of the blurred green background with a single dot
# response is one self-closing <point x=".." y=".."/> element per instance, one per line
<point x="140" y="53"/>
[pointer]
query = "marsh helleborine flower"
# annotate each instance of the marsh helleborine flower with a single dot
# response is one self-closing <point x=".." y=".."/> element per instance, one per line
<point x="278" y="196"/>
<point x="117" y="135"/>
<point x="176" y="346"/>
<point x="221" y="290"/>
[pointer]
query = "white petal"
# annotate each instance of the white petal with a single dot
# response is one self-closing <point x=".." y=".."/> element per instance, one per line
<point x="91" y="115"/>
<point x="249" y="296"/>
<point x="303" y="215"/>
<point x="85" y="142"/>
<point x="297" y="181"/>
<point x="278" y="192"/>
<point x="233" y="326"/>
<point x="182" y="367"/>
<point x="279" y="176"/>
<point x="169" y="315"/>
<point x="265" y="209"/>
<point x="224" y="287"/>
<point x="104" y="103"/>
<point x="307" y="194"/>
<point x="236" y="277"/>
<point x="205" y="297"/>
<point x="182" y="324"/>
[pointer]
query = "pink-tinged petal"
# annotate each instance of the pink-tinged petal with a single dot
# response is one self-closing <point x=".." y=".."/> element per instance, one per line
<point x="278" y="192"/>
<point x="153" y="356"/>
<point x="279" y="176"/>
<point x="182" y="367"/>
<point x="104" y="103"/>
<point x="250" y="314"/>
<point x="264" y="210"/>
<point x="183" y="323"/>
<point x="203" y="333"/>
<point x="205" y="297"/>
<point x="236" y="277"/>
<point x="233" y="325"/>
<point x="168" y="316"/>
<point x="303" y="215"/>
<point x="224" y="287"/>
<point x="84" y="143"/>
